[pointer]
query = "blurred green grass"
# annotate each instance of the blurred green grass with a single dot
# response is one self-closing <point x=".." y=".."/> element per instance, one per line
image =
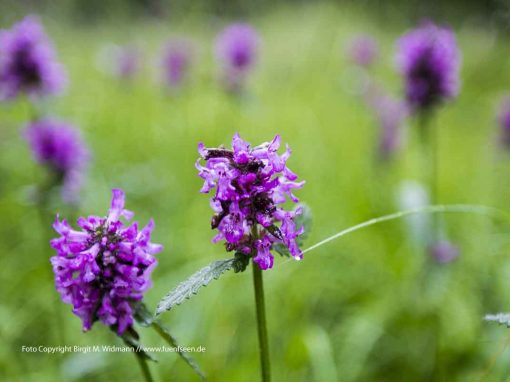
<point x="365" y="307"/>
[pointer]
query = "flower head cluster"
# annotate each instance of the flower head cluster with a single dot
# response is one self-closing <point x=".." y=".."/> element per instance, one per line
<point x="444" y="251"/>
<point x="391" y="114"/>
<point x="176" y="62"/>
<point x="128" y="60"/>
<point x="27" y="61"/>
<point x="60" y="147"/>
<point x="504" y="122"/>
<point x="105" y="267"/>
<point x="250" y="185"/>
<point x="363" y="50"/>
<point x="429" y="59"/>
<point x="236" y="49"/>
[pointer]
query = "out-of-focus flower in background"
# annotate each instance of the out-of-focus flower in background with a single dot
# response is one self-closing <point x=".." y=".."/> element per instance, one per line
<point x="236" y="49"/>
<point x="444" y="251"/>
<point x="60" y="147"/>
<point x="504" y="122"/>
<point x="429" y="60"/>
<point x="28" y="64"/>
<point x="177" y="58"/>
<point x="129" y="62"/>
<point x="363" y="50"/>
<point x="390" y="114"/>
<point x="120" y="61"/>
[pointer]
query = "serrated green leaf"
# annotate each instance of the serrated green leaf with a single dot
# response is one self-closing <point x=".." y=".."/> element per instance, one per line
<point x="144" y="317"/>
<point x="500" y="318"/>
<point x="191" y="286"/>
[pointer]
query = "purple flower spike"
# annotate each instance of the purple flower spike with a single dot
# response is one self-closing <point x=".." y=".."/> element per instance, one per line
<point x="60" y="147"/>
<point x="27" y="62"/>
<point x="363" y="51"/>
<point x="504" y="122"/>
<point x="429" y="59"/>
<point x="176" y="63"/>
<point x="444" y="252"/>
<point x="128" y="62"/>
<point x="105" y="267"/>
<point x="391" y="114"/>
<point x="236" y="50"/>
<point x="250" y="183"/>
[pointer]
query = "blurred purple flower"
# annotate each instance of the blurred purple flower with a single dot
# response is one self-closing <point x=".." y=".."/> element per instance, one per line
<point x="504" y="122"/>
<point x="105" y="267"/>
<point x="363" y="50"/>
<point x="129" y="61"/>
<point x="444" y="251"/>
<point x="236" y="50"/>
<point x="60" y="147"/>
<point x="391" y="114"/>
<point x="250" y="183"/>
<point x="429" y="59"/>
<point x="176" y="62"/>
<point x="27" y="62"/>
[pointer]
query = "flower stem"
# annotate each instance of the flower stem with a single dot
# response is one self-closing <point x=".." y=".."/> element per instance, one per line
<point x="431" y="143"/>
<point x="261" y="323"/>
<point x="142" y="361"/>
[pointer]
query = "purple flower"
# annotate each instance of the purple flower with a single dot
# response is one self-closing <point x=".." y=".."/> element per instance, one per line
<point x="236" y="49"/>
<point x="27" y="62"/>
<point x="444" y="251"/>
<point x="128" y="60"/>
<point x="60" y="147"/>
<point x="504" y="121"/>
<point x="251" y="183"/>
<point x="105" y="267"/>
<point x="429" y="59"/>
<point x="176" y="62"/>
<point x="391" y="114"/>
<point x="363" y="50"/>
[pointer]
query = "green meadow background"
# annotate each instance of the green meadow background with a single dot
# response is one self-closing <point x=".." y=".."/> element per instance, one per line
<point x="370" y="306"/>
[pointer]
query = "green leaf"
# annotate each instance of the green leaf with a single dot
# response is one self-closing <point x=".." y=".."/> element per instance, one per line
<point x="189" y="287"/>
<point x="145" y="318"/>
<point x="241" y="261"/>
<point x="500" y="318"/>
<point x="304" y="219"/>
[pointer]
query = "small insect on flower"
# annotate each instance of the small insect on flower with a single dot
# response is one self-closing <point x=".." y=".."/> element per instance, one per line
<point x="59" y="146"/>
<point x="236" y="50"/>
<point x="104" y="268"/>
<point x="28" y="63"/>
<point x="429" y="60"/>
<point x="250" y="185"/>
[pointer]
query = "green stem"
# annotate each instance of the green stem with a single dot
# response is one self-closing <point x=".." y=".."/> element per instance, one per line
<point x="430" y="141"/>
<point x="261" y="323"/>
<point x="452" y="208"/>
<point x="142" y="361"/>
